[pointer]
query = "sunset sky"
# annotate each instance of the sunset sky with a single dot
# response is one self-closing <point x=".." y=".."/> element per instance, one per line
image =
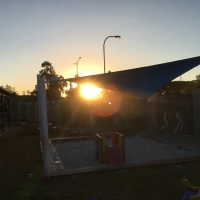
<point x="61" y="31"/>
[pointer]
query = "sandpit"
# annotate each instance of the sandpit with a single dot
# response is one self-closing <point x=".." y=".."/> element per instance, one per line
<point x="81" y="154"/>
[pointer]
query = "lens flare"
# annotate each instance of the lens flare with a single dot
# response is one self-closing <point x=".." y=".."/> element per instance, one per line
<point x="89" y="91"/>
<point x="108" y="104"/>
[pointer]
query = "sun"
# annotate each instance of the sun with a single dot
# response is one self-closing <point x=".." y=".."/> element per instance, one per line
<point x="90" y="91"/>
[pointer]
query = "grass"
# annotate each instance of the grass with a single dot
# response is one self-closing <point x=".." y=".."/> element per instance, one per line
<point x="20" y="156"/>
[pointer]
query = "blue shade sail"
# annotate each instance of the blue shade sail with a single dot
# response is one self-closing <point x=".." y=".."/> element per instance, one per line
<point x="143" y="81"/>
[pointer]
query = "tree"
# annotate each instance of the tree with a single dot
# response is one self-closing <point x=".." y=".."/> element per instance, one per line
<point x="53" y="89"/>
<point x="173" y="87"/>
<point x="191" y="85"/>
<point x="10" y="89"/>
<point x="198" y="77"/>
<point x="34" y="92"/>
<point x="28" y="92"/>
<point x="73" y="92"/>
<point x="188" y="88"/>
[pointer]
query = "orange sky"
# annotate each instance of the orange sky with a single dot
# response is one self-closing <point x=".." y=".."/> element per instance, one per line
<point x="151" y="32"/>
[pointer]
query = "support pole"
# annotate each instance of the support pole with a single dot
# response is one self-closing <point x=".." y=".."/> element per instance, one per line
<point x="44" y="137"/>
<point x="9" y="105"/>
<point x="196" y="112"/>
<point x="152" y="114"/>
<point x="2" y="111"/>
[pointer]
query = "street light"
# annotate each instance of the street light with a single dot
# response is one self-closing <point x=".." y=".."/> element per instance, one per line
<point x="116" y="36"/>
<point x="77" y="66"/>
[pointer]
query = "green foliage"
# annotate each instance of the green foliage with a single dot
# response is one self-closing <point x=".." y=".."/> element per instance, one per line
<point x="180" y="87"/>
<point x="189" y="87"/>
<point x="173" y="87"/>
<point x="198" y="77"/>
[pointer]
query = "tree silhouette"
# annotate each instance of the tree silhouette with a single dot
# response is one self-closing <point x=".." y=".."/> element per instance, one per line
<point x="173" y="87"/>
<point x="10" y="89"/>
<point x="53" y="89"/>
<point x="188" y="88"/>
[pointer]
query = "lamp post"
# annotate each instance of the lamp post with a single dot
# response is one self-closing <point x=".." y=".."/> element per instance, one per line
<point x="116" y="36"/>
<point x="77" y="66"/>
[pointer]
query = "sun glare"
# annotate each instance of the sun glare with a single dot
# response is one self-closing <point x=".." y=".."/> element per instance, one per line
<point x="89" y="91"/>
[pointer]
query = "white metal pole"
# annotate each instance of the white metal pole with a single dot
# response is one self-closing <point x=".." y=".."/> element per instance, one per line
<point x="44" y="136"/>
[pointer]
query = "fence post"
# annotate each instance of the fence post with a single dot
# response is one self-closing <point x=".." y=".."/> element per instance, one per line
<point x="152" y="113"/>
<point x="196" y="111"/>
<point x="91" y="117"/>
<point x="11" y="110"/>
<point x="28" y="111"/>
<point x="36" y="118"/>
<point x="44" y="135"/>
<point x="19" y="112"/>
<point x="117" y="119"/>
<point x="11" y="105"/>
<point x="73" y="103"/>
<point x="58" y="112"/>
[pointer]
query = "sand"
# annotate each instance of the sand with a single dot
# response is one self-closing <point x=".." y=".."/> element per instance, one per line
<point x="81" y="154"/>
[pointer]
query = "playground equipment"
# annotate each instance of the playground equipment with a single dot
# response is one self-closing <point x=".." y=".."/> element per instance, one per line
<point x="110" y="154"/>
<point x="190" y="192"/>
<point x="141" y="87"/>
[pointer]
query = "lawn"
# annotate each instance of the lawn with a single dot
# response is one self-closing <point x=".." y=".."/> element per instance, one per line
<point x="20" y="156"/>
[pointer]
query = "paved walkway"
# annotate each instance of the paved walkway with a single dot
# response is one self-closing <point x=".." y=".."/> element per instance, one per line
<point x="179" y="140"/>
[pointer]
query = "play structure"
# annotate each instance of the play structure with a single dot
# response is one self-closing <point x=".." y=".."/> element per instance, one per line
<point x="110" y="154"/>
<point x="140" y="82"/>
<point x="190" y="192"/>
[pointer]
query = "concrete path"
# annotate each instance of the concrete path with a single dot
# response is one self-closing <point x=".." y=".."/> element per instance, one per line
<point x="179" y="140"/>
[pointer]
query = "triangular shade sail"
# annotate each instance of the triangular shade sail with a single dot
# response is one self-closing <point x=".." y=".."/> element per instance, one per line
<point x="143" y="81"/>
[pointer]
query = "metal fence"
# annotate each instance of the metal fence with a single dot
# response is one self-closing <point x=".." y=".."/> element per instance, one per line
<point x="177" y="112"/>
<point x="134" y="113"/>
<point x="52" y="112"/>
<point x="65" y="113"/>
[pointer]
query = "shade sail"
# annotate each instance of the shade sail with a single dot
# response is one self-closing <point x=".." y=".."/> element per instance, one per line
<point x="142" y="81"/>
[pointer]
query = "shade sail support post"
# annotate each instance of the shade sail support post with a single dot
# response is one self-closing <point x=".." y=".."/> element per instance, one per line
<point x="44" y="136"/>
